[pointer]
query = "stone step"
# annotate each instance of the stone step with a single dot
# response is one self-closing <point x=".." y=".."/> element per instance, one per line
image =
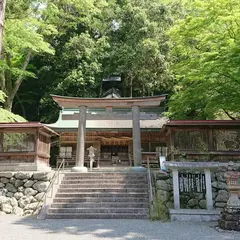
<point x="111" y="199"/>
<point x="101" y="205"/>
<point x="97" y="216"/>
<point x="102" y="194"/>
<point x="105" y="181"/>
<point x="97" y="185"/>
<point x="102" y="190"/>
<point x="106" y="174"/>
<point x="99" y="210"/>
<point x="100" y="177"/>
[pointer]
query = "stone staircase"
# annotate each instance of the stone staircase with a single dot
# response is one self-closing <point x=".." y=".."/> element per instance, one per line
<point x="98" y="195"/>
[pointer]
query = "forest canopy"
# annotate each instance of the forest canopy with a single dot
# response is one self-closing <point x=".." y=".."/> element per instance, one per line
<point x="186" y="49"/>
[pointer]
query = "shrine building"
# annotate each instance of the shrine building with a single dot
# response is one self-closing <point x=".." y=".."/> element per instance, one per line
<point x="124" y="131"/>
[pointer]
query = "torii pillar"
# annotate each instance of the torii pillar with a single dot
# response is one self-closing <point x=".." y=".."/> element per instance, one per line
<point x="136" y="131"/>
<point x="79" y="167"/>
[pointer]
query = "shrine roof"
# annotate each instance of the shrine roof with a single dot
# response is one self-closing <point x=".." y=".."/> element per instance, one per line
<point x="203" y="123"/>
<point x="20" y="126"/>
<point x="72" y="125"/>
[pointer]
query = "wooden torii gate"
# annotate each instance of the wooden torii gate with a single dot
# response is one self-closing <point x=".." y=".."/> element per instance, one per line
<point x="108" y="104"/>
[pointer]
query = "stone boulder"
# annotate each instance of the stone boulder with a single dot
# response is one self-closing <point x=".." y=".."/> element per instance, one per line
<point x="10" y="194"/>
<point x="41" y="186"/>
<point x="32" y="206"/>
<point x="23" y="175"/>
<point x="32" y="199"/>
<point x="192" y="203"/>
<point x="7" y="208"/>
<point x="24" y="201"/>
<point x="220" y="204"/>
<point x="18" y="183"/>
<point x="219" y="185"/>
<point x="3" y="199"/>
<point x="28" y="212"/>
<point x="11" y="188"/>
<point x="221" y="177"/>
<point x="6" y="174"/>
<point x="13" y="202"/>
<point x="4" y="180"/>
<point x="12" y="180"/>
<point x="39" y="196"/>
<point x="17" y="211"/>
<point x="18" y="195"/>
<point x="43" y="176"/>
<point x="203" y="204"/>
<point x="21" y="189"/>
<point x="163" y="185"/>
<point x="222" y="196"/>
<point x="30" y="192"/>
<point x="2" y="185"/>
<point x="29" y="183"/>
<point x="163" y="196"/>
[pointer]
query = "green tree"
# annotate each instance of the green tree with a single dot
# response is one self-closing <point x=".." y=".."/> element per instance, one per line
<point x="6" y="116"/>
<point x="26" y="26"/>
<point x="205" y="49"/>
<point x="139" y="46"/>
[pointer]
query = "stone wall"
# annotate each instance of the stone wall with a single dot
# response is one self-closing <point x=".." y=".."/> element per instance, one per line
<point x="230" y="219"/>
<point x="21" y="193"/>
<point x="163" y="199"/>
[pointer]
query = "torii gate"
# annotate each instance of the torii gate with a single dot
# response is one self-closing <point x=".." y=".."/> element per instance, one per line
<point x="108" y="103"/>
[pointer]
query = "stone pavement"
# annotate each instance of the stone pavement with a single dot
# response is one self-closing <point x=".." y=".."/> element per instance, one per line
<point x="29" y="228"/>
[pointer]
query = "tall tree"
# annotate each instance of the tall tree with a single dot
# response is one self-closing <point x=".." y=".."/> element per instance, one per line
<point x="139" y="46"/>
<point x="206" y="46"/>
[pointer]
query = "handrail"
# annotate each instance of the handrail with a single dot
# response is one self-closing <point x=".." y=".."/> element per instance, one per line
<point x="55" y="176"/>
<point x="149" y="182"/>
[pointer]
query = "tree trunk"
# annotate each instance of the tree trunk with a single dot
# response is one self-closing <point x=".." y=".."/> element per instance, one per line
<point x="8" y="103"/>
<point x="12" y="91"/>
<point x="2" y="17"/>
<point x="131" y="86"/>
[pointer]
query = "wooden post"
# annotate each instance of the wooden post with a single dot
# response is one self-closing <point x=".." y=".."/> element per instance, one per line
<point x="210" y="142"/>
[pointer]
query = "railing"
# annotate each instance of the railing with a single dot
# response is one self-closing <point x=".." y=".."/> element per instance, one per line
<point x="50" y="187"/>
<point x="150" y="182"/>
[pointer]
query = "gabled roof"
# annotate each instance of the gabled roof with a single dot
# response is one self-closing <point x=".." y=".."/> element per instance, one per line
<point x="26" y="125"/>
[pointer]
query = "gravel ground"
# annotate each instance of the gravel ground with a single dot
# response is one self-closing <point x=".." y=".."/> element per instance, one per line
<point x="20" y="228"/>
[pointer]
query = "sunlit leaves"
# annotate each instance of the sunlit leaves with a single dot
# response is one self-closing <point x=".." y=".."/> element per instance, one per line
<point x="206" y="51"/>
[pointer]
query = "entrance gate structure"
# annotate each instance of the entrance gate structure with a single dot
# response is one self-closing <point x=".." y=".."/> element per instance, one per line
<point x="108" y="103"/>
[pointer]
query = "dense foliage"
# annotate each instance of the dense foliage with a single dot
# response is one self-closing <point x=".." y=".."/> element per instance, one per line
<point x="206" y="47"/>
<point x="188" y="49"/>
<point x="5" y="115"/>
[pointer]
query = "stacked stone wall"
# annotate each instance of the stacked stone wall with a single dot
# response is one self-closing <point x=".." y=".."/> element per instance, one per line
<point x="163" y="200"/>
<point x="230" y="219"/>
<point x="21" y="193"/>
